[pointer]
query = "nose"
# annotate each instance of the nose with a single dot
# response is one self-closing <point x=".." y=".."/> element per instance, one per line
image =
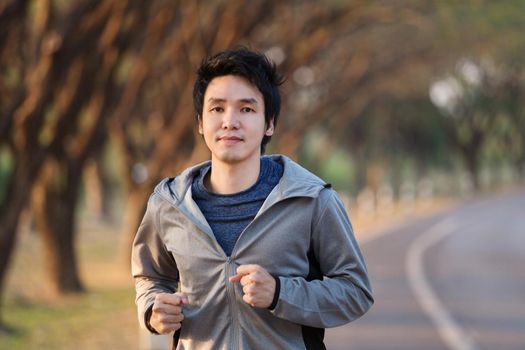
<point x="230" y="119"/>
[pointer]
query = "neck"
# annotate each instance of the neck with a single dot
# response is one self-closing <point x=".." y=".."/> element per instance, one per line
<point x="225" y="178"/>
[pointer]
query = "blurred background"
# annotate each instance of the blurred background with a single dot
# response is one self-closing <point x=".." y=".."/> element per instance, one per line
<point x="406" y="107"/>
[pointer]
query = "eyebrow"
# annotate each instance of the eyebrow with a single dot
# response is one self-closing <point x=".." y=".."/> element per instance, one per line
<point x="249" y="100"/>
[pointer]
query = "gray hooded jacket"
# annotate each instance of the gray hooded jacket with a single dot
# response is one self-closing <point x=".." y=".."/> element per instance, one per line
<point x="301" y="234"/>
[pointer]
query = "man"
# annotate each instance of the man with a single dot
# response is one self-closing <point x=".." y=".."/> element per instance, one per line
<point x="245" y="251"/>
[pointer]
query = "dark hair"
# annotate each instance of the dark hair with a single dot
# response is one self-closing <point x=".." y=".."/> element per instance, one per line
<point x="251" y="65"/>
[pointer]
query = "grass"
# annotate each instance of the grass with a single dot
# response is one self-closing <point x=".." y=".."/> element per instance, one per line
<point x="102" y="318"/>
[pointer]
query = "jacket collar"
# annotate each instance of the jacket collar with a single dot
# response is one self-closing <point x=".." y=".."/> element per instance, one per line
<point x="295" y="182"/>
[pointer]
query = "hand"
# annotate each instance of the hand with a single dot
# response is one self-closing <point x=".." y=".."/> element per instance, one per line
<point x="257" y="284"/>
<point x="166" y="315"/>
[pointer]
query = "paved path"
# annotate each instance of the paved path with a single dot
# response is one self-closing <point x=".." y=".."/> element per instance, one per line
<point x="452" y="281"/>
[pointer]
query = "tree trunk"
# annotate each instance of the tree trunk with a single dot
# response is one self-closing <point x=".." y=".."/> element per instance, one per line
<point x="54" y="201"/>
<point x="9" y="219"/>
<point x="97" y="190"/>
<point x="17" y="193"/>
<point x="472" y="163"/>
<point x="519" y="165"/>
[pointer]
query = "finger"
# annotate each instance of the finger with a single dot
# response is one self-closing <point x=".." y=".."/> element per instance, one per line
<point x="249" y="289"/>
<point x="171" y="310"/>
<point x="167" y="309"/>
<point x="235" y="279"/>
<point x="248" y="299"/>
<point x="246" y="279"/>
<point x="161" y="297"/>
<point x="248" y="268"/>
<point x="166" y="328"/>
<point x="183" y="298"/>
<point x="259" y="276"/>
<point x="168" y="319"/>
<point x="174" y="299"/>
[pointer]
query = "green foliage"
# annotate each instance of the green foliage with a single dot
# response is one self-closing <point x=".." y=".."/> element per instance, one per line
<point x="338" y="169"/>
<point x="6" y="168"/>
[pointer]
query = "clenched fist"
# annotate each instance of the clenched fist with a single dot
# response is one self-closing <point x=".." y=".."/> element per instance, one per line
<point x="166" y="315"/>
<point x="257" y="284"/>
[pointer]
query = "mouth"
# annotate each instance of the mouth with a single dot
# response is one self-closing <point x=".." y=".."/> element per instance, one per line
<point x="230" y="140"/>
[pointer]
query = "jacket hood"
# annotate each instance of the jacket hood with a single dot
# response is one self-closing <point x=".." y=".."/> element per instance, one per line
<point x="295" y="182"/>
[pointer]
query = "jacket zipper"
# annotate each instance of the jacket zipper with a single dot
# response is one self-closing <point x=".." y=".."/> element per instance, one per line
<point x="234" y="311"/>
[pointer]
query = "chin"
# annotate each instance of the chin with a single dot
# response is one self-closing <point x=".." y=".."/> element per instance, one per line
<point x="234" y="157"/>
<point x="230" y="158"/>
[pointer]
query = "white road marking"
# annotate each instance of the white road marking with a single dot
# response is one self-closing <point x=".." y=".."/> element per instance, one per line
<point x="449" y="330"/>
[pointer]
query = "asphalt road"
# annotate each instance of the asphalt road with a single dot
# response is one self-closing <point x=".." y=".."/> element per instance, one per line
<point x="452" y="281"/>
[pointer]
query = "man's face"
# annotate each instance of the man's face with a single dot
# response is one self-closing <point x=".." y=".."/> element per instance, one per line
<point x="232" y="120"/>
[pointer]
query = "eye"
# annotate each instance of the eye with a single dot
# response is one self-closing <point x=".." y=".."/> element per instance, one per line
<point x="247" y="110"/>
<point x="217" y="109"/>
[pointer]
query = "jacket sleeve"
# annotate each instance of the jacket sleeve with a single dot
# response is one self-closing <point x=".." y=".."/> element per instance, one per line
<point x="152" y="265"/>
<point x="344" y="294"/>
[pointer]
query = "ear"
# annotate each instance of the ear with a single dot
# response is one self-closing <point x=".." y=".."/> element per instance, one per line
<point x="269" y="128"/>
<point x="201" y="131"/>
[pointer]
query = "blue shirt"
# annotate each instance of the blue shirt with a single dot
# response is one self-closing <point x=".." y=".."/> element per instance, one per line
<point x="229" y="214"/>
